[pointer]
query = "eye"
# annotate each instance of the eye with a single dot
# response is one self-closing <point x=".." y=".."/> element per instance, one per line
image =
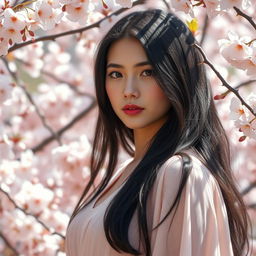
<point x="148" y="72"/>
<point x="114" y="74"/>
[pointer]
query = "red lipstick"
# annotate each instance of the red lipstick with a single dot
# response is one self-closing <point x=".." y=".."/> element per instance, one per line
<point x="132" y="109"/>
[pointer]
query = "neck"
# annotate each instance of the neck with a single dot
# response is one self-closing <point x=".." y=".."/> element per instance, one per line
<point x="142" y="139"/>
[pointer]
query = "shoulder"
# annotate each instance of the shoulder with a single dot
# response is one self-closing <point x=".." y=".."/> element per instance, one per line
<point x="201" y="191"/>
<point x="170" y="173"/>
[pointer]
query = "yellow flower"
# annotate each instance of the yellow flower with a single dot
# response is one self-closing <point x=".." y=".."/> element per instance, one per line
<point x="193" y="25"/>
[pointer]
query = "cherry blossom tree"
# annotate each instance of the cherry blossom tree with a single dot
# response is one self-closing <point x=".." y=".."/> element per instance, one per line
<point x="48" y="107"/>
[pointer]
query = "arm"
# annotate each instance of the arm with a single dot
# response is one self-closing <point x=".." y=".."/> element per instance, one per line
<point x="200" y="225"/>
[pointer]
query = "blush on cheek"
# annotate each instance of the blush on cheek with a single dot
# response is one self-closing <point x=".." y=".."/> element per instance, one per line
<point x="108" y="91"/>
<point x="159" y="93"/>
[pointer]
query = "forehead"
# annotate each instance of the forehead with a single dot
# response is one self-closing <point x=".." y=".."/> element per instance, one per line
<point x="126" y="50"/>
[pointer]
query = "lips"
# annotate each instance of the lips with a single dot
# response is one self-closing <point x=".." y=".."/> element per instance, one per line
<point x="132" y="109"/>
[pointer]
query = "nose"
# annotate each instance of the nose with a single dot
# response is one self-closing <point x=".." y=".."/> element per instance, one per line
<point x="131" y="89"/>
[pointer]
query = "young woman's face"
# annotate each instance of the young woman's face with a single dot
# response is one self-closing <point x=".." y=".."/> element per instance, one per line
<point x="131" y="87"/>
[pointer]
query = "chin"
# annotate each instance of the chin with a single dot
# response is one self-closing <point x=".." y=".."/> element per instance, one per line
<point x="134" y="126"/>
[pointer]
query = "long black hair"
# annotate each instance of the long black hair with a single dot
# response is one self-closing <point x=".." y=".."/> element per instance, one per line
<point x="192" y="123"/>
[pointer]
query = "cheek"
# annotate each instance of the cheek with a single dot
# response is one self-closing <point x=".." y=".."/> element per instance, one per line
<point x="159" y="96"/>
<point x="109" y="91"/>
<point x="112" y="94"/>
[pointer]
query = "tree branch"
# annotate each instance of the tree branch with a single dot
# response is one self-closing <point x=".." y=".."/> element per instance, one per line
<point x="54" y="77"/>
<point x="70" y="85"/>
<point x="49" y="139"/>
<point x="205" y="28"/>
<point x="7" y="242"/>
<point x="250" y="19"/>
<point x="167" y="5"/>
<point x="252" y="206"/>
<point x="243" y="84"/>
<point x="50" y="230"/>
<point x="71" y="32"/>
<point x="224" y="82"/>
<point x="29" y="97"/>
<point x="249" y="188"/>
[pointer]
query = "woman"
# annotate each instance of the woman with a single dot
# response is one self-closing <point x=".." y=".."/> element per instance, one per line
<point x="175" y="195"/>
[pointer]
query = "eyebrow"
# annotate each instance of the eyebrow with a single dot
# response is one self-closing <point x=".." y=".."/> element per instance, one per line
<point x="114" y="65"/>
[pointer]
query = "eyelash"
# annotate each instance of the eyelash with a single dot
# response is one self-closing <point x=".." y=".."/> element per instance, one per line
<point x="110" y="74"/>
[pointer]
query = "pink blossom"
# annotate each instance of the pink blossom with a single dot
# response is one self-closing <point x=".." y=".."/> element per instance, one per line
<point x="49" y="182"/>
<point x="6" y="87"/>
<point x="26" y="169"/>
<point x="7" y="175"/>
<point x="110" y="6"/>
<point x="35" y="197"/>
<point x="251" y="100"/>
<point x="235" y="48"/>
<point x="77" y="11"/>
<point x="237" y="109"/>
<point x="212" y="7"/>
<point x="58" y="100"/>
<point x="239" y="52"/>
<point x="3" y="45"/>
<point x="13" y="20"/>
<point x="57" y="60"/>
<point x="20" y="227"/>
<point x="2" y="5"/>
<point x="73" y="157"/>
<point x="249" y="129"/>
<point x="3" y="41"/>
<point x="46" y="15"/>
<point x="229" y="4"/>
<point x="13" y="23"/>
<point x="33" y="23"/>
<point x="55" y="219"/>
<point x="68" y="1"/>
<point x="54" y="3"/>
<point x="12" y="35"/>
<point x="181" y="5"/>
<point x="48" y="245"/>
<point x="32" y="57"/>
<point x="244" y="119"/>
<point x="124" y="3"/>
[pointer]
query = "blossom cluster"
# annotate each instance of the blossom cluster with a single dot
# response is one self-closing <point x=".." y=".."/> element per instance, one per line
<point x="21" y="22"/>
<point x="244" y="120"/>
<point x="240" y="52"/>
<point x="41" y="178"/>
<point x="213" y="7"/>
<point x="41" y="190"/>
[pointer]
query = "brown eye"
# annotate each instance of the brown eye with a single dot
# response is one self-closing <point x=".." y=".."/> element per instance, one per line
<point x="148" y="72"/>
<point x="114" y="74"/>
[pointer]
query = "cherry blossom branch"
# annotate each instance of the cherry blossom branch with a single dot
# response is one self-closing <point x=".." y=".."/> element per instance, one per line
<point x="247" y="17"/>
<point x="71" y="32"/>
<point x="18" y="6"/>
<point x="167" y="5"/>
<point x="224" y="82"/>
<point x="243" y="84"/>
<point x="8" y="244"/>
<point x="249" y="188"/>
<point x="50" y="230"/>
<point x="54" y="77"/>
<point x="29" y="97"/>
<point x="70" y="85"/>
<point x="49" y="139"/>
<point x="205" y="28"/>
<point x="252" y="206"/>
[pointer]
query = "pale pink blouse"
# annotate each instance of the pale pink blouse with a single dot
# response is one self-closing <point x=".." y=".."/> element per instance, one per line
<point x="199" y="227"/>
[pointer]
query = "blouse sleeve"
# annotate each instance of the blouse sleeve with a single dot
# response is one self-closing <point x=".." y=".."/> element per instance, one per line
<point x="200" y="225"/>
